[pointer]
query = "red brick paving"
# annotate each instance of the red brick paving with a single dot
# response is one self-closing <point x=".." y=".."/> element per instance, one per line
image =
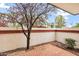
<point x="43" y="50"/>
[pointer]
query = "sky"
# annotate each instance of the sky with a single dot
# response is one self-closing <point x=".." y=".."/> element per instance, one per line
<point x="70" y="20"/>
<point x="4" y="6"/>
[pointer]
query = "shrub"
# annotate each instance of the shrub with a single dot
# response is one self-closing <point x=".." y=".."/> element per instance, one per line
<point x="70" y="43"/>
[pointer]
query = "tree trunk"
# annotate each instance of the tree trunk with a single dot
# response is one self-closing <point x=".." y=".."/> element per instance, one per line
<point x="28" y="42"/>
<point x="28" y="39"/>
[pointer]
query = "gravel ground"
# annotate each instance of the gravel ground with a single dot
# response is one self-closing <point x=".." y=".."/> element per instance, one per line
<point x="63" y="46"/>
<point x="43" y="50"/>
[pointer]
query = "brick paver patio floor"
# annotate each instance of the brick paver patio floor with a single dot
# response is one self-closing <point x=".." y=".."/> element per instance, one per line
<point x="43" y="50"/>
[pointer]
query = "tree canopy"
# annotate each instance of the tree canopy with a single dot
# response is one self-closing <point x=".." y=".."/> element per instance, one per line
<point x="59" y="21"/>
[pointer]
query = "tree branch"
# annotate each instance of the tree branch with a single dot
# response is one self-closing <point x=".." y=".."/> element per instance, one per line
<point x="25" y="14"/>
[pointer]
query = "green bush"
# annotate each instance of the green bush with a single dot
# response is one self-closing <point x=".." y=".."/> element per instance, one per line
<point x="70" y="43"/>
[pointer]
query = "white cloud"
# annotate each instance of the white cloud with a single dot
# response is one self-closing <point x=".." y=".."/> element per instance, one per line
<point x="2" y="5"/>
<point x="63" y="13"/>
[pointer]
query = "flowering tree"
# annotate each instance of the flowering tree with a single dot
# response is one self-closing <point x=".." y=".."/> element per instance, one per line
<point x="3" y="20"/>
<point x="26" y="14"/>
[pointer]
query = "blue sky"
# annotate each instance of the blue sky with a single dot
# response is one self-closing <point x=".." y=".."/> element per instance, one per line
<point x="69" y="19"/>
<point x="4" y="6"/>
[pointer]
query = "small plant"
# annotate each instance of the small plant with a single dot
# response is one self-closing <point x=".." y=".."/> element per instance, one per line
<point x="70" y="43"/>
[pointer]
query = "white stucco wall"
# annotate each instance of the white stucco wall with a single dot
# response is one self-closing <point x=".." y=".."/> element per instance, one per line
<point x="43" y="37"/>
<point x="13" y="41"/>
<point x="62" y="35"/>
